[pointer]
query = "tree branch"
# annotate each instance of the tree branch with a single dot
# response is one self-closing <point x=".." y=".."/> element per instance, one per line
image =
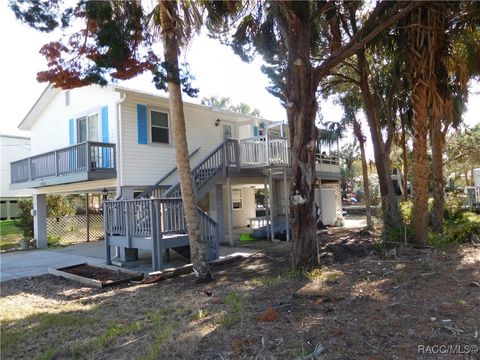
<point x="364" y="36"/>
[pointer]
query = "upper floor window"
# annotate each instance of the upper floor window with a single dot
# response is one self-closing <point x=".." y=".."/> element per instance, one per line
<point x="227" y="131"/>
<point x="87" y="128"/>
<point x="160" y="127"/>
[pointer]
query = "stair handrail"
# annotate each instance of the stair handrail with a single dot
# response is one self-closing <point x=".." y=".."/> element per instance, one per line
<point x="148" y="191"/>
<point x="174" y="190"/>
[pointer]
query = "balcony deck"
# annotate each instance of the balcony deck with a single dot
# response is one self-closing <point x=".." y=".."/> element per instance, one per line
<point x="80" y="162"/>
<point x="263" y="151"/>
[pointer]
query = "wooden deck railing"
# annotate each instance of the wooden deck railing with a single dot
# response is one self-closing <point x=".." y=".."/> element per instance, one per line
<point x="221" y="158"/>
<point x="327" y="159"/>
<point x="264" y="151"/>
<point x="86" y="156"/>
<point x="147" y="217"/>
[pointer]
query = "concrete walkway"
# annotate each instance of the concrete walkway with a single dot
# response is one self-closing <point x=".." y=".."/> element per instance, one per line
<point x="19" y="264"/>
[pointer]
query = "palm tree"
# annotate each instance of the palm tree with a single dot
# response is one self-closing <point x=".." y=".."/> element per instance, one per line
<point x="219" y="102"/>
<point x="351" y="104"/>
<point x="425" y="24"/>
<point x="175" y="31"/>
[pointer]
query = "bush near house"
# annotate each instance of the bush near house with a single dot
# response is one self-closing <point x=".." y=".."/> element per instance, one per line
<point x="25" y="218"/>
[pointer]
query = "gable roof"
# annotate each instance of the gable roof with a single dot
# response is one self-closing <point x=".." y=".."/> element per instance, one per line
<point x="50" y="92"/>
<point x="38" y="107"/>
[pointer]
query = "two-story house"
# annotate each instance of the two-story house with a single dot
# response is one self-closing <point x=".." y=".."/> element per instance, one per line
<point x="119" y="140"/>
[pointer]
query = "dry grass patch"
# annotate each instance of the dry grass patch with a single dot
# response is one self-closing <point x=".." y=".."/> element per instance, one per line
<point x="257" y="308"/>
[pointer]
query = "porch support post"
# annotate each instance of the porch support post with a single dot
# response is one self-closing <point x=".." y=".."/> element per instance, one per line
<point x="339" y="199"/>
<point x="287" y="203"/>
<point x="8" y="209"/>
<point x="106" y="221"/>
<point x="267" y="206"/>
<point x="229" y="211"/>
<point x="88" y="216"/>
<point x="270" y="203"/>
<point x="319" y="204"/>
<point x="40" y="220"/>
<point x="216" y="210"/>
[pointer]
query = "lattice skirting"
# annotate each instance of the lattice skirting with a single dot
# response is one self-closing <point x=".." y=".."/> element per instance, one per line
<point x="338" y="195"/>
<point x="74" y="228"/>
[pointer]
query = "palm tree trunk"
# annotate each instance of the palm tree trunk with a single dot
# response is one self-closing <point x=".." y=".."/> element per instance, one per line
<point x="391" y="212"/>
<point x="420" y="164"/>
<point x="361" y="141"/>
<point x="404" y="156"/>
<point x="198" y="249"/>
<point x="438" y="182"/>
<point x="368" y="208"/>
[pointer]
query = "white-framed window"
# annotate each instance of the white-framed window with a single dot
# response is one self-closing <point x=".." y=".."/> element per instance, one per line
<point x="88" y="128"/>
<point x="159" y="127"/>
<point x="227" y="131"/>
<point x="237" y="199"/>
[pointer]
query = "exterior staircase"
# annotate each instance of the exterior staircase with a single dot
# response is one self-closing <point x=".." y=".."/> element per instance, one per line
<point x="155" y="219"/>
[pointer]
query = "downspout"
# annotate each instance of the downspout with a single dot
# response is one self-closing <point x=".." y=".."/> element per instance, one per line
<point x="118" y="132"/>
<point x="118" y="108"/>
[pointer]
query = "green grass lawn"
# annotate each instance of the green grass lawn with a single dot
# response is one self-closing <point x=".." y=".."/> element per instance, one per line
<point x="10" y="235"/>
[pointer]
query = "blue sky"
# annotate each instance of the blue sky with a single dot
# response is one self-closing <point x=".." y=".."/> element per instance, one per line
<point x="217" y="69"/>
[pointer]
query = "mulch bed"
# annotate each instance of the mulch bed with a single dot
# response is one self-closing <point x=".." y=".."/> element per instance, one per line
<point x="105" y="276"/>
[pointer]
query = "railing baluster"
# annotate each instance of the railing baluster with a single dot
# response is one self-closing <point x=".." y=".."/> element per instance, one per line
<point x="79" y="157"/>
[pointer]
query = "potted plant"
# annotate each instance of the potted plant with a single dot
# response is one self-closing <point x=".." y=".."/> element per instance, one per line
<point x="25" y="222"/>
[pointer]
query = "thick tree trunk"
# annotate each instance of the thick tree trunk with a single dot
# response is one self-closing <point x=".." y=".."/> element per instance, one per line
<point x="301" y="105"/>
<point x="420" y="165"/>
<point x="391" y="213"/>
<point x="438" y="181"/>
<point x="198" y="248"/>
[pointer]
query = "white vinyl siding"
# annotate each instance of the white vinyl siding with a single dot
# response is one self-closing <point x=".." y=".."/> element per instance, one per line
<point x="12" y="148"/>
<point x="145" y="164"/>
<point x="240" y="217"/>
<point x="50" y="131"/>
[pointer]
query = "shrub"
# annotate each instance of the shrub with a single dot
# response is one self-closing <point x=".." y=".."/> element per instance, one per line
<point x="406" y="209"/>
<point x="25" y="218"/>
<point x="58" y="206"/>
<point x="459" y="231"/>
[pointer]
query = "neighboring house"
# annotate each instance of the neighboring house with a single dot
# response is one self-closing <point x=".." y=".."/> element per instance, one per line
<point x="12" y="147"/>
<point x="94" y="139"/>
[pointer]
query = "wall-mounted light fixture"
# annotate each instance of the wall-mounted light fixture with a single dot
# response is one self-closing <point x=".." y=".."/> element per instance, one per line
<point x="217" y="122"/>
<point x="105" y="193"/>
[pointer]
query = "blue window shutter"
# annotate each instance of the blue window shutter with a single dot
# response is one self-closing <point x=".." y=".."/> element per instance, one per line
<point x="71" y="131"/>
<point x="255" y="130"/>
<point x="105" y="135"/>
<point x="142" y="124"/>
<point x="106" y="153"/>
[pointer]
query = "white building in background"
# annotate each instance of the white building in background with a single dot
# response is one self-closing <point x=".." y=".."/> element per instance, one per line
<point x="12" y="148"/>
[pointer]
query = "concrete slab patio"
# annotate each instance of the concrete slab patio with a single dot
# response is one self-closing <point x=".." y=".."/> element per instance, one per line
<point x="19" y="264"/>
